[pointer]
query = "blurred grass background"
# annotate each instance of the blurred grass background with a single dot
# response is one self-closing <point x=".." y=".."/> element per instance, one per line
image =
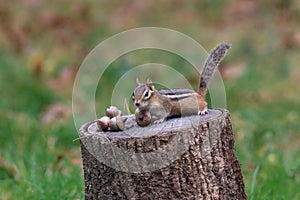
<point x="44" y="42"/>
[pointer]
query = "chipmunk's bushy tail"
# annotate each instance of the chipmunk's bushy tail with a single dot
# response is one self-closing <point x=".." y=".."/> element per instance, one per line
<point x="211" y="64"/>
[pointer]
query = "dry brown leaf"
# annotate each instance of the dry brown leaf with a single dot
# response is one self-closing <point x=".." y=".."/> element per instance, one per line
<point x="296" y="38"/>
<point x="11" y="170"/>
<point x="240" y="10"/>
<point x="57" y="113"/>
<point x="65" y="79"/>
<point x="234" y="70"/>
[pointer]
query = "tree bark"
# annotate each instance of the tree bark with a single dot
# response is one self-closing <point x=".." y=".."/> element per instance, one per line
<point x="182" y="158"/>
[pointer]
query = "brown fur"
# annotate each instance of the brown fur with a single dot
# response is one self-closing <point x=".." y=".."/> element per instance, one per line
<point x="181" y="101"/>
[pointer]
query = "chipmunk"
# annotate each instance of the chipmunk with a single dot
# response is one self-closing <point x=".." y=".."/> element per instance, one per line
<point x="180" y="101"/>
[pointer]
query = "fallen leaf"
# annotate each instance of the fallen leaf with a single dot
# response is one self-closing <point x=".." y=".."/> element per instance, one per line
<point x="234" y="70"/>
<point x="296" y="38"/>
<point x="57" y="113"/>
<point x="10" y="170"/>
<point x="65" y="78"/>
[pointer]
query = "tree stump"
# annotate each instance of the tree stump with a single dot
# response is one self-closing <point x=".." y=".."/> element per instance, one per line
<point x="191" y="157"/>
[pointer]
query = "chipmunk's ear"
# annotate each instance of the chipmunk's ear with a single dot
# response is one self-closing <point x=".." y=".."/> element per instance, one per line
<point x="150" y="84"/>
<point x="137" y="81"/>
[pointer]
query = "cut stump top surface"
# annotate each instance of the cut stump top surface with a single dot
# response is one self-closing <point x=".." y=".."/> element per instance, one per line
<point x="173" y="124"/>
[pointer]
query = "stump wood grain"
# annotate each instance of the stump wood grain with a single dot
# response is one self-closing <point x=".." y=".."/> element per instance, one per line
<point x="191" y="157"/>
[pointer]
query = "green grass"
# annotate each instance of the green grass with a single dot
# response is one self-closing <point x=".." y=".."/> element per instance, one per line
<point x="36" y="159"/>
<point x="266" y="127"/>
<point x="40" y="160"/>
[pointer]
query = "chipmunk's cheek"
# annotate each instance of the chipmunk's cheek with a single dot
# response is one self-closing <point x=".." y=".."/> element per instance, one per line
<point x="143" y="105"/>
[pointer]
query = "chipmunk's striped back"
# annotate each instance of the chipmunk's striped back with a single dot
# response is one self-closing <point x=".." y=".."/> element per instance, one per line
<point x="177" y="93"/>
<point x="181" y="101"/>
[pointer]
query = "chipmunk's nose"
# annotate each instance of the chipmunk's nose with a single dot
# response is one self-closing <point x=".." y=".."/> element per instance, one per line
<point x="137" y="104"/>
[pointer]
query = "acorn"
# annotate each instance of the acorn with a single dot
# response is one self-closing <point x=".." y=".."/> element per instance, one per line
<point x="113" y="111"/>
<point x="103" y="123"/>
<point x="120" y="123"/>
<point x="116" y="123"/>
<point x="143" y="118"/>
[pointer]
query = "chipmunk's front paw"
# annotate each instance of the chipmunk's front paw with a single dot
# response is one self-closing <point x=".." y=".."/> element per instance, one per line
<point x="203" y="112"/>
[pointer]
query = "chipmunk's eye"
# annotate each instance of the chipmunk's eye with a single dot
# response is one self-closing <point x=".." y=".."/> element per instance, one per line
<point x="146" y="94"/>
<point x="132" y="96"/>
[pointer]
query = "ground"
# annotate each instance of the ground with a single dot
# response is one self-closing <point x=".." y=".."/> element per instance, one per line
<point x="43" y="44"/>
